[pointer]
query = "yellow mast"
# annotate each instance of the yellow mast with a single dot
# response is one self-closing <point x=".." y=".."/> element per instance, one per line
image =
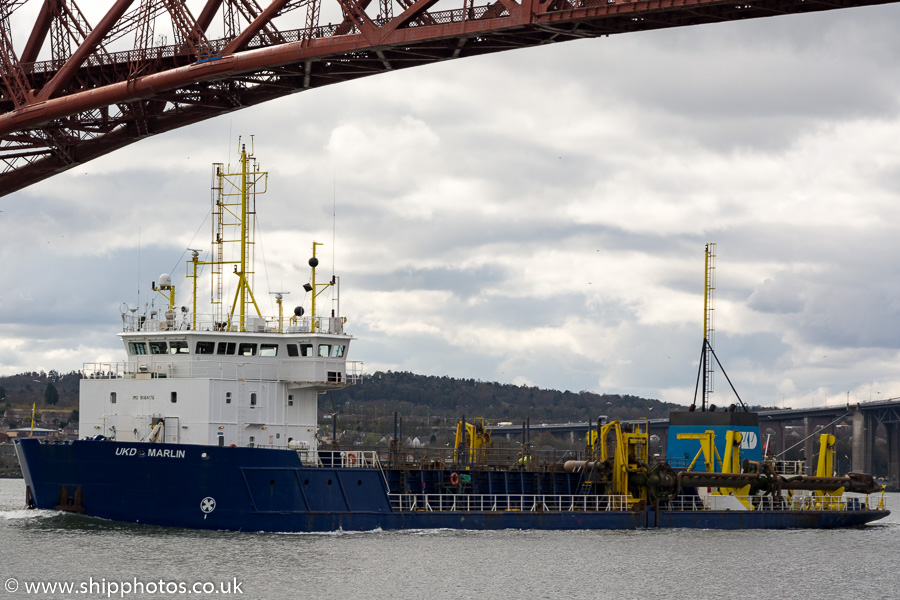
<point x="243" y="290"/>
<point x="279" y="296"/>
<point x="193" y="274"/>
<point x="313" y="287"/>
<point x="167" y="291"/>
<point x="235" y="217"/>
<point x="709" y="289"/>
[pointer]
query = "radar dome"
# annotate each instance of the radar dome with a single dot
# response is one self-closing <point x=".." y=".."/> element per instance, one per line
<point x="165" y="279"/>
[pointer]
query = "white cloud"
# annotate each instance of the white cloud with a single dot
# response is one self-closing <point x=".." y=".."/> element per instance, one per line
<point x="535" y="217"/>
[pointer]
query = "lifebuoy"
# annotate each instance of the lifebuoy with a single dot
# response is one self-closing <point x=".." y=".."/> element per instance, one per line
<point x="351" y="459"/>
<point x="454" y="479"/>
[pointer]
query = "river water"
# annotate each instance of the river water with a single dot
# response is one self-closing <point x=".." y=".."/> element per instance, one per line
<point x="102" y="559"/>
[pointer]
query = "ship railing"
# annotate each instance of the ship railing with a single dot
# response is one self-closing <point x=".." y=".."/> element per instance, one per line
<point x="827" y="502"/>
<point x="349" y="459"/>
<point x="157" y="321"/>
<point x="793" y="502"/>
<point x="439" y="458"/>
<point x="510" y="503"/>
<point x="116" y="370"/>
<point x="790" y="467"/>
<point x="782" y="467"/>
<point x="337" y="372"/>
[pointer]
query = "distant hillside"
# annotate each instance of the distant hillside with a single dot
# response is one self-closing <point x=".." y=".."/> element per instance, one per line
<point x="27" y="388"/>
<point x="55" y="396"/>
<point x="425" y="402"/>
<point x="420" y="395"/>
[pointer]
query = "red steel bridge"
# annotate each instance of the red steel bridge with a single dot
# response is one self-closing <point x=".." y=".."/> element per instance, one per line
<point x="75" y="91"/>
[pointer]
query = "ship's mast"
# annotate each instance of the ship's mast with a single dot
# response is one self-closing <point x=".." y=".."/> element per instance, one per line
<point x="243" y="291"/>
<point x="709" y="291"/>
<point x="707" y="355"/>
<point x="233" y="223"/>
<point x="316" y="288"/>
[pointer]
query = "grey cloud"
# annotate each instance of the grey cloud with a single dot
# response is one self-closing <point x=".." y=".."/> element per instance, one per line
<point x="527" y="141"/>
<point x="779" y="296"/>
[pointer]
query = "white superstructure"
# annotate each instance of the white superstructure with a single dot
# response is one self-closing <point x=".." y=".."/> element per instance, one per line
<point x="227" y="378"/>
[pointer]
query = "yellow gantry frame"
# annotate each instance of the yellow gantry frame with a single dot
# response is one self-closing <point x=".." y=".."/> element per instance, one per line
<point x="631" y="450"/>
<point x="825" y="468"/>
<point x="479" y="439"/>
<point x="707" y="449"/>
<point x="730" y="463"/>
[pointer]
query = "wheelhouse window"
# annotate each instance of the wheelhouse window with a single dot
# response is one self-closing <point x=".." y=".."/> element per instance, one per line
<point x="306" y="349"/>
<point x="177" y="347"/>
<point x="247" y="349"/>
<point x="292" y="350"/>
<point x="226" y="348"/>
<point x="205" y="347"/>
<point x="138" y="348"/>
<point x="324" y="350"/>
<point x="158" y="347"/>
<point x="268" y="349"/>
<point x="337" y="351"/>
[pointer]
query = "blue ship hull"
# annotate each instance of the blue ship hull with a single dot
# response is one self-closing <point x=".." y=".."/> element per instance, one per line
<point x="247" y="489"/>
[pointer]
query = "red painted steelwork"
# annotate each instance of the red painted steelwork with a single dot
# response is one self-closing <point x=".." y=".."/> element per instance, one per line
<point x="55" y="116"/>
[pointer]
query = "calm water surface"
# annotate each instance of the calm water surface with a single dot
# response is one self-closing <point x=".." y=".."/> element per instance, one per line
<point x="46" y="546"/>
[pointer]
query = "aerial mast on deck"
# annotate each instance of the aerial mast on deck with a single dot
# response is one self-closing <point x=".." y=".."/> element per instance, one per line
<point x="316" y="288"/>
<point x="707" y="354"/>
<point x="709" y="293"/>
<point x="234" y="213"/>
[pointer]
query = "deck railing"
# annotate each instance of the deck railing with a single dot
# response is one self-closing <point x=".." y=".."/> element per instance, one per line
<point x="157" y="322"/>
<point x="509" y="502"/>
<point x="349" y="459"/>
<point x="794" y="502"/>
<point x="307" y="370"/>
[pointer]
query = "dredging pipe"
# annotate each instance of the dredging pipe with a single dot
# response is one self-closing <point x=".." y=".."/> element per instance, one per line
<point x="858" y="483"/>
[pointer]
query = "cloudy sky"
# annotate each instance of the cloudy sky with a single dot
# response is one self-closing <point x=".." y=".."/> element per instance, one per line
<point x="534" y="217"/>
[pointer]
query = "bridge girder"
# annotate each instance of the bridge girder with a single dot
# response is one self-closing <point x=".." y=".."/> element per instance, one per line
<point x="59" y="113"/>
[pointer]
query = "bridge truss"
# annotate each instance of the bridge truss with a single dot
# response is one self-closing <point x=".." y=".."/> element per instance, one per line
<point x="88" y="98"/>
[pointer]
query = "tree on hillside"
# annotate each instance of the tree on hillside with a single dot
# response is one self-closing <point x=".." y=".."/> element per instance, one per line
<point x="51" y="395"/>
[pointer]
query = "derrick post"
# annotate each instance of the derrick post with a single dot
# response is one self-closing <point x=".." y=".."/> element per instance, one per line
<point x="811" y="427"/>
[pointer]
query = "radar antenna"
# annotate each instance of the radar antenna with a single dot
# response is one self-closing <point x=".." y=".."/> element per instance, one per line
<point x="278" y="297"/>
